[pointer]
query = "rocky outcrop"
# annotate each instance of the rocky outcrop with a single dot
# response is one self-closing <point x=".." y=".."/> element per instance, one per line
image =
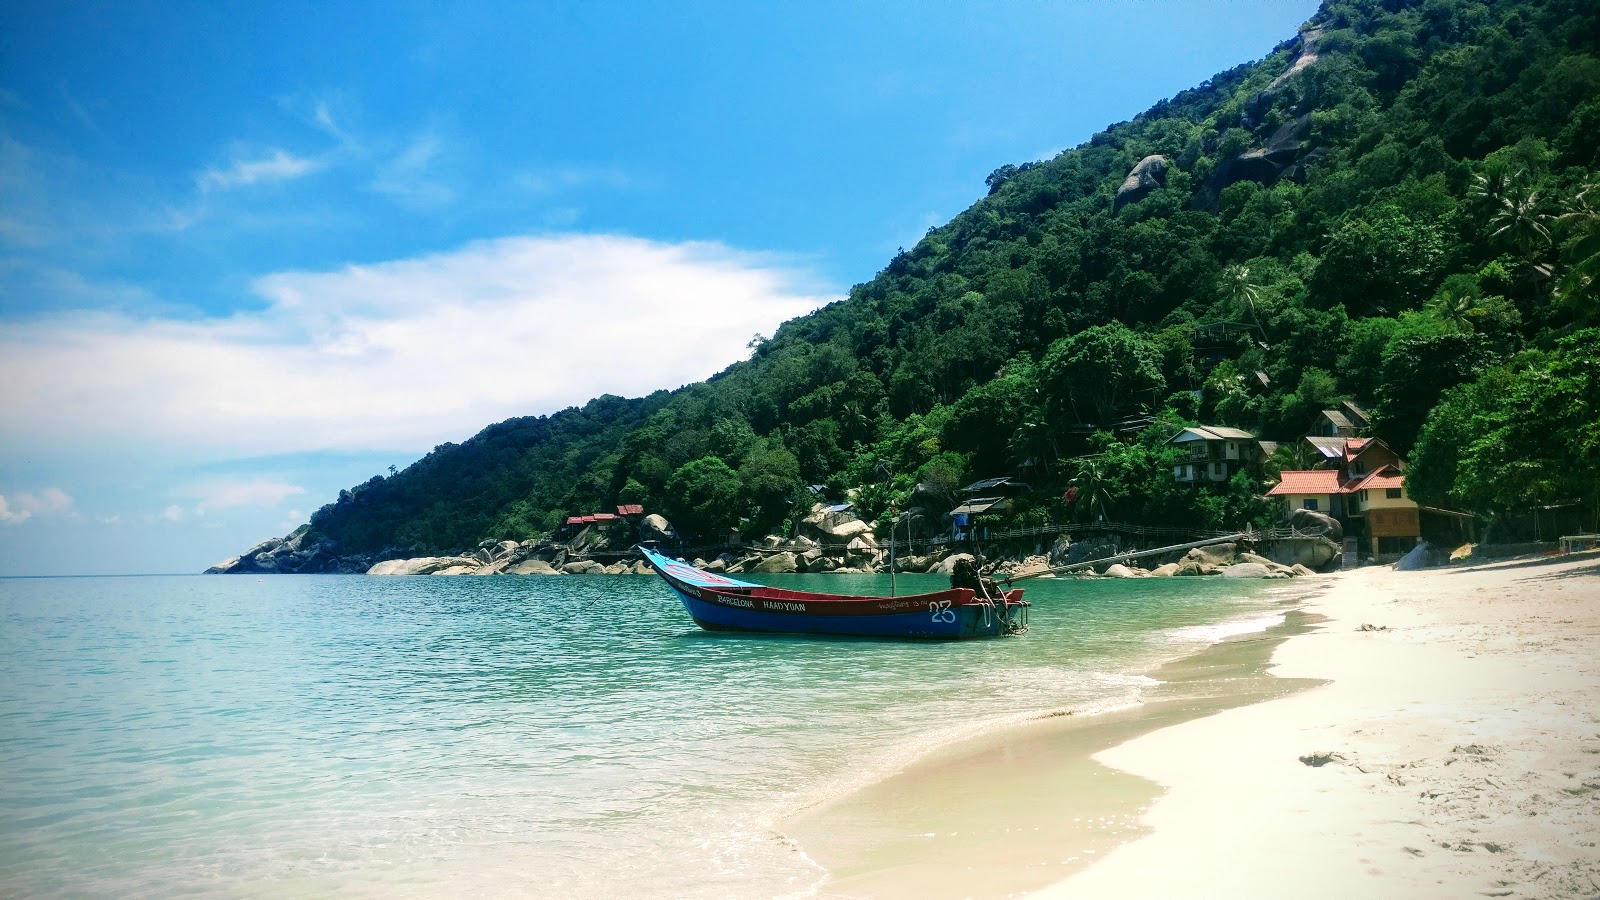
<point x="1310" y="552"/>
<point x="424" y="565"/>
<point x="298" y="553"/>
<point x="1263" y="165"/>
<point x="776" y="563"/>
<point x="1309" y="522"/>
<point x="1149" y="174"/>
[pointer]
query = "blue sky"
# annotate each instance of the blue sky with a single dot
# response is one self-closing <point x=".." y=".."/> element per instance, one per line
<point x="253" y="253"/>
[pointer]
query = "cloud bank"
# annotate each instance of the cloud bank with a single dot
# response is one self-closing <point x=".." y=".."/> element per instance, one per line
<point x="398" y="355"/>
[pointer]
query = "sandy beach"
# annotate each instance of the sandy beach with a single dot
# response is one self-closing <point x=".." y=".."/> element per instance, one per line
<point x="1454" y="751"/>
<point x="1403" y="734"/>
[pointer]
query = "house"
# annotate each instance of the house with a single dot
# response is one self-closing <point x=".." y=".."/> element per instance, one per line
<point x="1318" y="490"/>
<point x="989" y="495"/>
<point x="1363" y="486"/>
<point x="1347" y="421"/>
<point x="1216" y="452"/>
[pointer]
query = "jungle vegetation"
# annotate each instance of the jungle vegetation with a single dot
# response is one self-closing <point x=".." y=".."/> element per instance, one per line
<point x="1426" y="241"/>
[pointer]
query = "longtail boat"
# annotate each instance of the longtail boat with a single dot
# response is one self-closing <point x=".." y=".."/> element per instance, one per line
<point x="719" y="603"/>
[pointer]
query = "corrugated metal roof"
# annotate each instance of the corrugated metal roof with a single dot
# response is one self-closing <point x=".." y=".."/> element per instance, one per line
<point x="1210" y="433"/>
<point x="1307" y="481"/>
<point x="1338" y="419"/>
<point x="977" y="505"/>
<point x="991" y="483"/>
<point x="1327" y="447"/>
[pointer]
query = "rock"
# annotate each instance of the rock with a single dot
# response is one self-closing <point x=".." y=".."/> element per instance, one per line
<point x="642" y="568"/>
<point x="1186" y="568"/>
<point x="424" y="565"/>
<point x="617" y="568"/>
<point x="467" y="569"/>
<point x="1246" y="570"/>
<point x="1216" y="554"/>
<point x="1312" y="523"/>
<point x="1420" y="557"/>
<point x="1031" y="568"/>
<point x="582" y="567"/>
<point x="833" y="528"/>
<point x="1310" y="552"/>
<point x="532" y="567"/>
<point x="1149" y="174"/>
<point x="1300" y="570"/>
<point x="1118" y="570"/>
<point x="776" y="563"/>
<point x="1249" y="557"/>
<point x="716" y="565"/>
<point x="951" y="560"/>
<point x="771" y="542"/>
<point x="656" y="528"/>
<point x="1164" y="571"/>
<point x="222" y="568"/>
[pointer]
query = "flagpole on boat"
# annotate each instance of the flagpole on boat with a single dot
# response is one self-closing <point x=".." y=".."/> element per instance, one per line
<point x="894" y="519"/>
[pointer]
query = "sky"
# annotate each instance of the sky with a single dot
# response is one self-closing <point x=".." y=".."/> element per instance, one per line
<point x="252" y="253"/>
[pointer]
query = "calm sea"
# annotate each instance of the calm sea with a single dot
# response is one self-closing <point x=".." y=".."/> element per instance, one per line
<point x="562" y="737"/>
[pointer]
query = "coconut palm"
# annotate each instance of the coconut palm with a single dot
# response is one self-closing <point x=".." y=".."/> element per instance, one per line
<point x="1240" y="290"/>
<point x="1579" y="286"/>
<point x="1456" y="308"/>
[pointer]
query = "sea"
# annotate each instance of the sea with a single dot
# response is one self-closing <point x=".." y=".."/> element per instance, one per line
<point x="567" y="737"/>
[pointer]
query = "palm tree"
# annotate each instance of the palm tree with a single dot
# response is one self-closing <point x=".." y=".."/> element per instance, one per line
<point x="1455" y="308"/>
<point x="1094" y="494"/>
<point x="1579" y="226"/>
<point x="1516" y="217"/>
<point x="1241" y="292"/>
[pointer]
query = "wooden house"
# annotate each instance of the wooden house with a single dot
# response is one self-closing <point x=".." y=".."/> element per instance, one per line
<point x="1216" y="452"/>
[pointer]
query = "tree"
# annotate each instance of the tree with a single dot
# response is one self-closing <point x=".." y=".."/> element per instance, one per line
<point x="1099" y="371"/>
<point x="702" y="497"/>
<point x="1417" y="369"/>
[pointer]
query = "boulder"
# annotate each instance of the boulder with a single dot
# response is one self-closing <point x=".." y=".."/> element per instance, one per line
<point x="1032" y="567"/>
<point x="642" y="568"/>
<point x="1246" y="570"/>
<point x="1420" y="557"/>
<point x="465" y="569"/>
<point x="1118" y="570"/>
<point x="1301" y="571"/>
<point x="424" y="565"/>
<point x="1187" y="567"/>
<point x="224" y="567"/>
<point x="1149" y="174"/>
<point x="617" y="568"/>
<point x="776" y="563"/>
<point x="532" y="567"/>
<point x="951" y="560"/>
<point x="1312" y="523"/>
<point x="1310" y="552"/>
<point x="582" y="567"/>
<point x="1215" y="555"/>
<point x="656" y="528"/>
<point x="1164" y="571"/>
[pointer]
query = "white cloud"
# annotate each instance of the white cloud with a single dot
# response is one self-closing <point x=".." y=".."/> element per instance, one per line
<point x="279" y="166"/>
<point x="173" y="513"/>
<point x="408" y="177"/>
<point x="571" y="178"/>
<point x="20" y="508"/>
<point x="398" y="355"/>
<point x="254" y="492"/>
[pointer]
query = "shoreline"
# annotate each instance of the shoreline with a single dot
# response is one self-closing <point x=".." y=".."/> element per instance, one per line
<point x="1454" y="751"/>
<point x="973" y="817"/>
<point x="1421" y="734"/>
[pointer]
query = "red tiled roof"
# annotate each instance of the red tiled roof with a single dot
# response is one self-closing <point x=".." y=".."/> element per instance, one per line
<point x="574" y="520"/>
<point x="630" y="509"/>
<point x="1307" y="481"/>
<point x="1384" y="477"/>
<point x="602" y="517"/>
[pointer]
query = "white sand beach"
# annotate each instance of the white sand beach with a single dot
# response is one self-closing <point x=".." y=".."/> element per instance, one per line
<point x="1453" y="752"/>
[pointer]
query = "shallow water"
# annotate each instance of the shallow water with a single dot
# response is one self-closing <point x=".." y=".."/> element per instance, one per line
<point x="565" y="737"/>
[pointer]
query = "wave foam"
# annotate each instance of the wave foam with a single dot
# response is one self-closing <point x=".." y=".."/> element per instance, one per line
<point x="1212" y="634"/>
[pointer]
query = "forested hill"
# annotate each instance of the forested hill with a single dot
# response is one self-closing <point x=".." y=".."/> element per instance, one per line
<point x="1395" y="206"/>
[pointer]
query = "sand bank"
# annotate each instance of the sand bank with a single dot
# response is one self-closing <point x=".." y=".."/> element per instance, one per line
<point x="1453" y="752"/>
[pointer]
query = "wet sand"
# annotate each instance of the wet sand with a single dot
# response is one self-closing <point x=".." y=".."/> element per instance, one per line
<point x="1017" y="810"/>
<point x="1407" y="734"/>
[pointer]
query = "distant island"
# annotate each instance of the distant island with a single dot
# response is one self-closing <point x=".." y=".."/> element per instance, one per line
<point x="1397" y="209"/>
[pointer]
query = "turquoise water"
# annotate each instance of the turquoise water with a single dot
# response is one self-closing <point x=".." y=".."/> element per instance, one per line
<point x="563" y="737"/>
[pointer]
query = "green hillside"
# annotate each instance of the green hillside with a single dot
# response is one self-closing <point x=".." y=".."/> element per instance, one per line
<point x="1395" y="207"/>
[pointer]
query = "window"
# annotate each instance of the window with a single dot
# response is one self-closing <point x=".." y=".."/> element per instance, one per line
<point x="1310" y="504"/>
<point x="1392" y="493"/>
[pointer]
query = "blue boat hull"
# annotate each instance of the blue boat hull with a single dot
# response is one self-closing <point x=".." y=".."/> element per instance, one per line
<point x="953" y="623"/>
